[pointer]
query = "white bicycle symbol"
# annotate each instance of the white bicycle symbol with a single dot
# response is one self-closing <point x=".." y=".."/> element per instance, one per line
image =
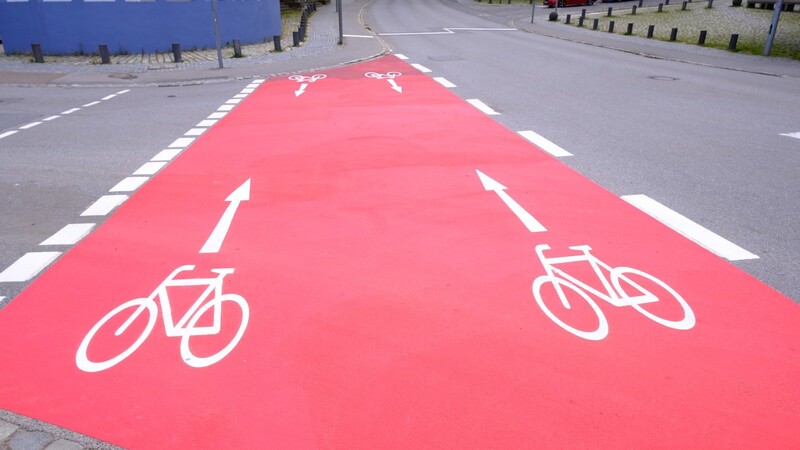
<point x="615" y="292"/>
<point x="211" y="298"/>
<point x="383" y="76"/>
<point x="308" y="79"/>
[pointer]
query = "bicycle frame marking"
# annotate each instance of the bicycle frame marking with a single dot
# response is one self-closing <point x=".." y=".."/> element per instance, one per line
<point x="611" y="295"/>
<point x="383" y="76"/>
<point x="308" y="79"/>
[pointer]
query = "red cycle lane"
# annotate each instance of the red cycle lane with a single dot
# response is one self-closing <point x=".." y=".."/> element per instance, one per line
<point x="380" y="265"/>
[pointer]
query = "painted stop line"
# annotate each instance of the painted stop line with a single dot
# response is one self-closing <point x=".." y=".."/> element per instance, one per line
<point x="353" y="265"/>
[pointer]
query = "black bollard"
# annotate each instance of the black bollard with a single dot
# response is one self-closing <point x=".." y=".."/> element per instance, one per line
<point x="611" y="26"/>
<point x="609" y="11"/>
<point x="296" y="38"/>
<point x="596" y="22"/>
<point x="641" y="3"/>
<point x="702" y="40"/>
<point x="633" y="10"/>
<point x="580" y="22"/>
<point x="733" y="42"/>
<point x="36" y="49"/>
<point x="650" y="30"/>
<point x="276" y="40"/>
<point x="660" y="7"/>
<point x="105" y="58"/>
<point x="237" y="48"/>
<point x="569" y="18"/>
<point x="630" y="29"/>
<point x="583" y="13"/>
<point x="176" y="52"/>
<point x="673" y="35"/>
<point x="683" y="7"/>
<point x="710" y="4"/>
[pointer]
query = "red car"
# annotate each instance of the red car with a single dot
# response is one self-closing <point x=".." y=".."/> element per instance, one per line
<point x="562" y="3"/>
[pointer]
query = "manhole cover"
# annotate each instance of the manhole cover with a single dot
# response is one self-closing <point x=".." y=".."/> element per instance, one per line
<point x="661" y="78"/>
<point x="123" y="76"/>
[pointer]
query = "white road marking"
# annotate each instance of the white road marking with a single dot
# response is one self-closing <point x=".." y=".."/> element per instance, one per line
<point x="181" y="142"/>
<point x="91" y="104"/>
<point x="30" y="125"/>
<point x="70" y="234"/>
<point x="195" y="132"/>
<point x="104" y="205"/>
<point x="239" y="195"/>
<point x="28" y="266"/>
<point x="257" y="81"/>
<point x="444" y="82"/>
<point x="544" y="144"/>
<point x="109" y="97"/>
<point x="421" y="68"/>
<point x="240" y="95"/>
<point x="123" y="92"/>
<point x="225" y="108"/>
<point x="70" y="111"/>
<point x="358" y="36"/>
<point x="692" y="230"/>
<point x="129" y="184"/>
<point x="167" y="155"/>
<point x="401" y="56"/>
<point x="206" y="123"/>
<point x="233" y="101"/>
<point x="792" y="135"/>
<point x="483" y="107"/>
<point x="8" y="133"/>
<point x="150" y="168"/>
<point x="527" y="219"/>
<point x="217" y="115"/>
<point x="48" y="119"/>
<point x="252" y="86"/>
<point x="446" y="31"/>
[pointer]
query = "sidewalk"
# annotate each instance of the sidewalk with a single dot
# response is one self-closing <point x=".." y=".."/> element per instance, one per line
<point x="320" y="50"/>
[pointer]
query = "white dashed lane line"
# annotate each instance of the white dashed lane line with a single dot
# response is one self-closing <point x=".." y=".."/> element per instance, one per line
<point x="31" y="264"/>
<point x="691" y="230"/>
<point x="544" y="144"/>
<point x="444" y="82"/>
<point x="483" y="107"/>
<point x="421" y="68"/>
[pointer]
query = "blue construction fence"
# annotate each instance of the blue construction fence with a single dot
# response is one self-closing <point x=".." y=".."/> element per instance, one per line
<point x="64" y="27"/>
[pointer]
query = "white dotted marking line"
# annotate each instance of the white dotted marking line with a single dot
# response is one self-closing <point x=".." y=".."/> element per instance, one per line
<point x="104" y="205"/>
<point x="217" y="115"/>
<point x="444" y="82"/>
<point x="167" y="154"/>
<point x="401" y="56"/>
<point x="28" y="266"/>
<point x="129" y="184"/>
<point x="483" y="107"/>
<point x="97" y="102"/>
<point x="70" y="111"/>
<point x="181" y="142"/>
<point x="421" y="68"/>
<point x="691" y="230"/>
<point x="48" y="119"/>
<point x="544" y="144"/>
<point x="207" y="123"/>
<point x="30" y="125"/>
<point x="150" y="168"/>
<point x="70" y="234"/>
<point x="8" y="133"/>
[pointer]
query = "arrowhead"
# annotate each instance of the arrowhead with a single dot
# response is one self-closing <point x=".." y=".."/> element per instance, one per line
<point x="488" y="183"/>
<point x="298" y="93"/>
<point x="241" y="194"/>
<point x="398" y="89"/>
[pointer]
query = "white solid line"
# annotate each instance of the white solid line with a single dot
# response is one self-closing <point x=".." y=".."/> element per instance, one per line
<point x="421" y="68"/>
<point x="444" y="82"/>
<point x="233" y="101"/>
<point x="206" y="123"/>
<point x="150" y="168"/>
<point x="91" y="104"/>
<point x="28" y="266"/>
<point x="166" y="155"/>
<point x="70" y="234"/>
<point x="358" y="36"/>
<point x="30" y="125"/>
<point x="483" y="107"/>
<point x="181" y="142"/>
<point x="792" y="135"/>
<point x="48" y="119"/>
<point x="8" y="133"/>
<point x="70" y="111"/>
<point x="544" y="144"/>
<point x="248" y="90"/>
<point x="692" y="230"/>
<point x="195" y="132"/>
<point x="225" y="108"/>
<point x="123" y="92"/>
<point x="104" y="205"/>
<point x="418" y="33"/>
<point x="109" y="97"/>
<point x="401" y="56"/>
<point x="217" y="115"/>
<point x="129" y="184"/>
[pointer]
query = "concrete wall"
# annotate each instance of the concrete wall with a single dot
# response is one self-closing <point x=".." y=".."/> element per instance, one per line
<point x="75" y="26"/>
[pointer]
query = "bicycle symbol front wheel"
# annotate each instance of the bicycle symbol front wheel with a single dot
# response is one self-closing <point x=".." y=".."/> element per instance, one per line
<point x="198" y="361"/>
<point x="593" y="335"/>
<point x="657" y="303"/>
<point x="82" y="358"/>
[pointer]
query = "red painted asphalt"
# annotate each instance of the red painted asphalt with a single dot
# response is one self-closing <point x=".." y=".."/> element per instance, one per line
<point x="390" y="298"/>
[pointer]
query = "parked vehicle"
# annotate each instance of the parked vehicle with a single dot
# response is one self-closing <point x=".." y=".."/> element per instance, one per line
<point x="562" y="3"/>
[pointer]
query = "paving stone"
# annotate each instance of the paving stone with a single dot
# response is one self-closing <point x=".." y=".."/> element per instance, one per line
<point x="29" y="440"/>
<point x="63" y="444"/>
<point x="6" y="430"/>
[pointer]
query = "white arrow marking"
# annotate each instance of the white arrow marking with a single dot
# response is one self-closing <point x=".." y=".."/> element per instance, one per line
<point x="301" y="91"/>
<point x="214" y="242"/>
<point x="395" y="86"/>
<point x="528" y="220"/>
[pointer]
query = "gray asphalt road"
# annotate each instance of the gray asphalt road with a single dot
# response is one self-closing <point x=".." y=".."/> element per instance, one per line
<point x="50" y="173"/>
<point x="703" y="141"/>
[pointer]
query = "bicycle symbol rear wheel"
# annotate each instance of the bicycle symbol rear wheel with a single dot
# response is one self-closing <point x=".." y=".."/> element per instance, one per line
<point x="197" y="361"/>
<point x="82" y="358"/>
<point x="602" y="328"/>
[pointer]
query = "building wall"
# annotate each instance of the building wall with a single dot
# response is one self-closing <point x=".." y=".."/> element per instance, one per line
<point x="75" y="26"/>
